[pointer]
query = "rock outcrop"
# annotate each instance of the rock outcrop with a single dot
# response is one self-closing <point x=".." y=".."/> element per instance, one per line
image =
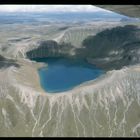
<point x="50" y="48"/>
<point x="114" y="48"/>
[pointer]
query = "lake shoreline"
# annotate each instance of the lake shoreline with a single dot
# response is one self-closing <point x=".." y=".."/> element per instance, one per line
<point x="62" y="75"/>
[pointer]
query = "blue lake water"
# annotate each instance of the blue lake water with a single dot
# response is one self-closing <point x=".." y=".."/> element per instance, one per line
<point x="64" y="74"/>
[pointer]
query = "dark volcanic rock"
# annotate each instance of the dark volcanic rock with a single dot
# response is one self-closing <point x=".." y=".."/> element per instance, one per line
<point x="109" y="49"/>
<point x="50" y="48"/>
<point x="114" y="48"/>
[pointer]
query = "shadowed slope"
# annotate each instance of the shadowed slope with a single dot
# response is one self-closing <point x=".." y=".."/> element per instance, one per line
<point x="4" y="62"/>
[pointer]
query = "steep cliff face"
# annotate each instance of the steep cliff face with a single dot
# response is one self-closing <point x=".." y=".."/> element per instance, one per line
<point x="50" y="48"/>
<point x="114" y="48"/>
<point x="108" y="106"/>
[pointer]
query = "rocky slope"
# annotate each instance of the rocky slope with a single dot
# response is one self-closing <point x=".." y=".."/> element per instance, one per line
<point x="109" y="49"/>
<point x="109" y="106"/>
<point x="5" y="62"/>
<point x="51" y="48"/>
<point x="114" y="48"/>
